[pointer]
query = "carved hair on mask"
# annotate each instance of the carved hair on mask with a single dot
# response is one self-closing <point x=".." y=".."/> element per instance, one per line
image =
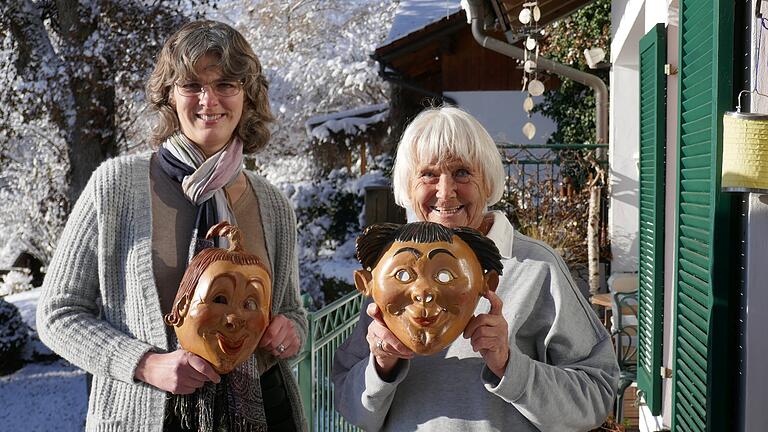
<point x="426" y="279"/>
<point x="222" y="307"/>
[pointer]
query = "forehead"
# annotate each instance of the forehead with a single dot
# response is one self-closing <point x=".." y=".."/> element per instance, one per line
<point x="226" y="267"/>
<point x="207" y="66"/>
<point x="449" y="163"/>
<point x="458" y="248"/>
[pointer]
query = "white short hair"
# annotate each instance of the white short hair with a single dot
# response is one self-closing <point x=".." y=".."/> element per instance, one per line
<point x="440" y="134"/>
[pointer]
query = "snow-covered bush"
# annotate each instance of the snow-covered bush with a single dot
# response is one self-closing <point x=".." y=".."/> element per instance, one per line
<point x="15" y="282"/>
<point x="329" y="216"/>
<point x="13" y="336"/>
<point x="34" y="200"/>
<point x="72" y="75"/>
<point x="316" y="55"/>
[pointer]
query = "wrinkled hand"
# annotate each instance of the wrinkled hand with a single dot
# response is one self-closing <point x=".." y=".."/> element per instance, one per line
<point x="489" y="334"/>
<point x="178" y="372"/>
<point x="280" y="338"/>
<point x="390" y="350"/>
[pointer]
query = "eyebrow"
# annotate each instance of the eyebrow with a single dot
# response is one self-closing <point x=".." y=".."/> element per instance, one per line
<point x="411" y="250"/>
<point x="434" y="252"/>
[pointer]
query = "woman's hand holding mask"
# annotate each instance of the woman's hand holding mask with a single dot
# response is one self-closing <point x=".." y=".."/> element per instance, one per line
<point x="386" y="348"/>
<point x="280" y="338"/>
<point x="489" y="334"/>
<point x="178" y="372"/>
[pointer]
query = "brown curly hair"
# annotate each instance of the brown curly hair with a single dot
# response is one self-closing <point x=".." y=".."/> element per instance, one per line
<point x="176" y="61"/>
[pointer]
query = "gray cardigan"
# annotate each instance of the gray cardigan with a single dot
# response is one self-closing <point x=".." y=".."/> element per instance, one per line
<point x="561" y="376"/>
<point x="100" y="308"/>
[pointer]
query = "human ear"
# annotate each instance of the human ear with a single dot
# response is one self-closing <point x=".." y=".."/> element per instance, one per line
<point x="362" y="281"/>
<point x="491" y="280"/>
<point x="172" y="97"/>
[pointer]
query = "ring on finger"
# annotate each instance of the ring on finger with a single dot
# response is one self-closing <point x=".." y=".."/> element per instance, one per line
<point x="380" y="345"/>
<point x="281" y="348"/>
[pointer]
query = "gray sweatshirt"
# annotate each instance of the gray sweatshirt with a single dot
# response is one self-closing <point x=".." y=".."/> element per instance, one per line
<point x="100" y="307"/>
<point x="561" y="376"/>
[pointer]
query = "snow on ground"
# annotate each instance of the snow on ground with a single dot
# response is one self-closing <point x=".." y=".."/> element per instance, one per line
<point x="49" y="396"/>
<point x="26" y="302"/>
<point x="43" y="397"/>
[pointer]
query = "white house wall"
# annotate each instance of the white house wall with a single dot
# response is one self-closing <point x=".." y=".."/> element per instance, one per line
<point x="501" y="113"/>
<point x="670" y="200"/>
<point x="627" y="19"/>
<point x="755" y="374"/>
<point x="631" y="20"/>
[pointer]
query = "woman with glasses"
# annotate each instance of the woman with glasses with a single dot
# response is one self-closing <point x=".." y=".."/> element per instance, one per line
<point x="137" y="224"/>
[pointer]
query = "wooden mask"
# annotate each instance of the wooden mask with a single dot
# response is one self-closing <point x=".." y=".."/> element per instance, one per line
<point x="222" y="308"/>
<point x="426" y="279"/>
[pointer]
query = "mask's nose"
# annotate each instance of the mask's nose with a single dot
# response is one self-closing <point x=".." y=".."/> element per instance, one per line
<point x="422" y="295"/>
<point x="233" y="322"/>
<point x="424" y="302"/>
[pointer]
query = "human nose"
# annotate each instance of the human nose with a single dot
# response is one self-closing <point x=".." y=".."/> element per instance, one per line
<point x="208" y="96"/>
<point x="446" y="187"/>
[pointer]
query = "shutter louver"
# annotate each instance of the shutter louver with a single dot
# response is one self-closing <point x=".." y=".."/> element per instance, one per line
<point x="701" y="282"/>
<point x="653" y="92"/>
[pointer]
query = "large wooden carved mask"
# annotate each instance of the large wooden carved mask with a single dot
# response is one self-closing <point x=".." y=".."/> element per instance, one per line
<point x="426" y="279"/>
<point x="222" y="308"/>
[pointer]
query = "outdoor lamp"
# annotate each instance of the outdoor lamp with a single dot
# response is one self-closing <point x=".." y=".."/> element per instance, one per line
<point x="745" y="151"/>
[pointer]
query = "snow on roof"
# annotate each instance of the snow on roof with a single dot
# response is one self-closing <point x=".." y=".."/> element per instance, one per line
<point x="352" y="121"/>
<point x="413" y="15"/>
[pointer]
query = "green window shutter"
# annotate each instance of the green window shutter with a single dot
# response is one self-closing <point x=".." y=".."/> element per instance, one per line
<point x="653" y="93"/>
<point x="701" y="341"/>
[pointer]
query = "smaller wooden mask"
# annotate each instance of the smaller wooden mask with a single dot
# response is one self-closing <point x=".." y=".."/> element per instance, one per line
<point x="222" y="308"/>
<point x="426" y="279"/>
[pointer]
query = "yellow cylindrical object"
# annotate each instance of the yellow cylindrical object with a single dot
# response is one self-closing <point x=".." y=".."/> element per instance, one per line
<point x="745" y="152"/>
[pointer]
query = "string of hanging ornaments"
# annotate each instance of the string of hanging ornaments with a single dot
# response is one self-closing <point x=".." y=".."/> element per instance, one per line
<point x="529" y="17"/>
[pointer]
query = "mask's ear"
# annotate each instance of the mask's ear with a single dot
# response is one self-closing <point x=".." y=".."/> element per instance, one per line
<point x="491" y="280"/>
<point x="363" y="281"/>
<point x="183" y="307"/>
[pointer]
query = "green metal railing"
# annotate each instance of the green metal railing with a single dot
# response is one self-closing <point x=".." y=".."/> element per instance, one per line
<point x="546" y="196"/>
<point x="328" y="328"/>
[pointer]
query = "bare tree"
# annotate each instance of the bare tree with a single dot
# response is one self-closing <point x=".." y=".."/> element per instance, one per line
<point x="72" y="74"/>
<point x="67" y="58"/>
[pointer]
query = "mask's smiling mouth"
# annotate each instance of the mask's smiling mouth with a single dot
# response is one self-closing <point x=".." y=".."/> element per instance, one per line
<point x="424" y="322"/>
<point x="229" y="347"/>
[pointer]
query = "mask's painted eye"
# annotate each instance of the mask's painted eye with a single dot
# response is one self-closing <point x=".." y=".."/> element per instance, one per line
<point x="403" y="276"/>
<point x="444" y="276"/>
<point x="220" y="299"/>
<point x="251" y="305"/>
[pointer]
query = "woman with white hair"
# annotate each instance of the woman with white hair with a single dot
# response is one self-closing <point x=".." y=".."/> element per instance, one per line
<point x="534" y="357"/>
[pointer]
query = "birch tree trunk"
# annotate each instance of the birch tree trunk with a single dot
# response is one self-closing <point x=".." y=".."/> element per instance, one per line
<point x="593" y="223"/>
<point x="593" y="238"/>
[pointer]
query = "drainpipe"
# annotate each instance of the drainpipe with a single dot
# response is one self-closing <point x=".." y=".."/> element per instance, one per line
<point x="477" y="12"/>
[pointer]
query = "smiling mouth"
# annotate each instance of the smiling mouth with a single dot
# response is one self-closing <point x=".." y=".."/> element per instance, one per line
<point x="447" y="210"/>
<point x="229" y="347"/>
<point x="209" y="117"/>
<point x="424" y="322"/>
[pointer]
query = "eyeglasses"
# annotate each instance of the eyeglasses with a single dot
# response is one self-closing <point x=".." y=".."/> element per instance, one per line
<point x="220" y="88"/>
